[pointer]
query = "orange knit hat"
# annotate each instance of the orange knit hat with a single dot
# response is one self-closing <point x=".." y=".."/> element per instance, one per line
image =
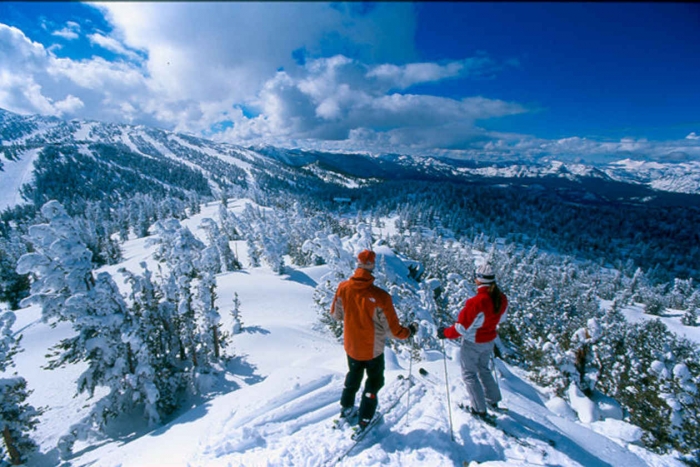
<point x="366" y="257"/>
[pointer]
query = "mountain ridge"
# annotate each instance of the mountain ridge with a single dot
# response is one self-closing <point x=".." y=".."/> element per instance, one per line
<point x="227" y="166"/>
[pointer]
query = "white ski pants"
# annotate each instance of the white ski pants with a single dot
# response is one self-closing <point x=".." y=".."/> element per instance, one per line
<point x="481" y="386"/>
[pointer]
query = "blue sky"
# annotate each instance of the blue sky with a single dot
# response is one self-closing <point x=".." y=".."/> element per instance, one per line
<point x="504" y="80"/>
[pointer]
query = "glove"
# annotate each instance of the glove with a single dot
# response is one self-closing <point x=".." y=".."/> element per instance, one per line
<point x="497" y="352"/>
<point x="441" y="332"/>
<point x="413" y="329"/>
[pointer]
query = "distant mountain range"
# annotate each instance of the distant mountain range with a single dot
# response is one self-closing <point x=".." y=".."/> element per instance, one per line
<point x="168" y="160"/>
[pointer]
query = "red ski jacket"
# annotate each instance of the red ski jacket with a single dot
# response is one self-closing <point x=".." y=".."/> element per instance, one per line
<point x="368" y="315"/>
<point x="477" y="321"/>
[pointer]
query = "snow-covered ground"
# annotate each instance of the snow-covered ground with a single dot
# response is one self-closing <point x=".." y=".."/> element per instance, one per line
<point x="277" y="407"/>
<point x="14" y="174"/>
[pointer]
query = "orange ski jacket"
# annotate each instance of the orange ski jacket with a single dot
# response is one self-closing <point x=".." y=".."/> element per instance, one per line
<point x="368" y="315"/>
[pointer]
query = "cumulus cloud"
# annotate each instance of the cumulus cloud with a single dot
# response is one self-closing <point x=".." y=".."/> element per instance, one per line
<point x="69" y="105"/>
<point x="405" y="76"/>
<point x="20" y="61"/>
<point x="414" y="73"/>
<point x="336" y="99"/>
<point x="70" y="32"/>
<point x="240" y="45"/>
<point x="33" y="80"/>
<point x="194" y="66"/>
<point x="111" y="44"/>
<point x="335" y="76"/>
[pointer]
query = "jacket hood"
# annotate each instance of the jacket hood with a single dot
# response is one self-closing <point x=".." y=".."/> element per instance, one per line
<point x="361" y="279"/>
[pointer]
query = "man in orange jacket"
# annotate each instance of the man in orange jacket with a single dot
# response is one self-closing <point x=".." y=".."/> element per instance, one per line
<point x="368" y="315"/>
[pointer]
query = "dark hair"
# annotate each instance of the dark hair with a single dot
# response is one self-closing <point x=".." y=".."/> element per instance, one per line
<point x="496" y="297"/>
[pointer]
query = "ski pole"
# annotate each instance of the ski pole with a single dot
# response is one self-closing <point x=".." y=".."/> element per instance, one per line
<point x="447" y="387"/>
<point x="408" y="393"/>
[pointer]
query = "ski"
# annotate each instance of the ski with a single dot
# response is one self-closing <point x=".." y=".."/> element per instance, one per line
<point x="360" y="433"/>
<point x="492" y="421"/>
<point x="486" y="417"/>
<point x="358" y="436"/>
<point x="341" y="423"/>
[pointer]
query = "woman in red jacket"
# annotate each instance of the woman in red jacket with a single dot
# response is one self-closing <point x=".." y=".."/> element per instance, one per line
<point x="476" y="325"/>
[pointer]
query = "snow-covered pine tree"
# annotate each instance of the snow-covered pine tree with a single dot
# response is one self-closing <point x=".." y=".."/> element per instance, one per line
<point x="66" y="289"/>
<point x="194" y="203"/>
<point x="266" y="236"/>
<point x="583" y="350"/>
<point x="17" y="417"/>
<point x="13" y="286"/>
<point x="60" y="265"/>
<point x="218" y="239"/>
<point x="690" y="317"/>
<point x="453" y="294"/>
<point x="190" y="295"/>
<point x="151" y="341"/>
<point x="180" y="250"/>
<point x="302" y="226"/>
<point x="227" y="223"/>
<point x="236" y="315"/>
<point x="684" y="386"/>
<point x="329" y="247"/>
<point x="211" y="338"/>
<point x="143" y="218"/>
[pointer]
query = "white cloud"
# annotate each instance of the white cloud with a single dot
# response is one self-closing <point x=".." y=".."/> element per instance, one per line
<point x="404" y="76"/>
<point x="334" y="99"/>
<point x="198" y="64"/>
<point x="70" y="32"/>
<point x="311" y="75"/>
<point x="69" y="105"/>
<point x="33" y="80"/>
<point x="414" y="73"/>
<point x="215" y="51"/>
<point x="20" y="60"/>
<point x="113" y="45"/>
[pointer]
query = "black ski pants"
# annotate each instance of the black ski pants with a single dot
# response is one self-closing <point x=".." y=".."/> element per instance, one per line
<point x="353" y="380"/>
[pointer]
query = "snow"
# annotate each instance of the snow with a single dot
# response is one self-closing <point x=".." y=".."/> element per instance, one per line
<point x="276" y="406"/>
<point x="83" y="132"/>
<point x="671" y="318"/>
<point x="13" y="175"/>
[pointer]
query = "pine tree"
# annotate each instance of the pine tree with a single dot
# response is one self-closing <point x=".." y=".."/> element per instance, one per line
<point x="236" y="315"/>
<point x="217" y="239"/>
<point x="227" y="223"/>
<point x="190" y="297"/>
<point x="212" y="339"/>
<point x="17" y="417"/>
<point x="690" y="317"/>
<point x="67" y="290"/>
<point x="13" y="286"/>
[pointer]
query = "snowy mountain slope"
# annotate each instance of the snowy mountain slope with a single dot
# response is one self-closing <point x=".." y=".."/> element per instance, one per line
<point x="277" y="406"/>
<point x="226" y="166"/>
<point x="640" y="178"/>
<point x="16" y="173"/>
<point x="136" y="149"/>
